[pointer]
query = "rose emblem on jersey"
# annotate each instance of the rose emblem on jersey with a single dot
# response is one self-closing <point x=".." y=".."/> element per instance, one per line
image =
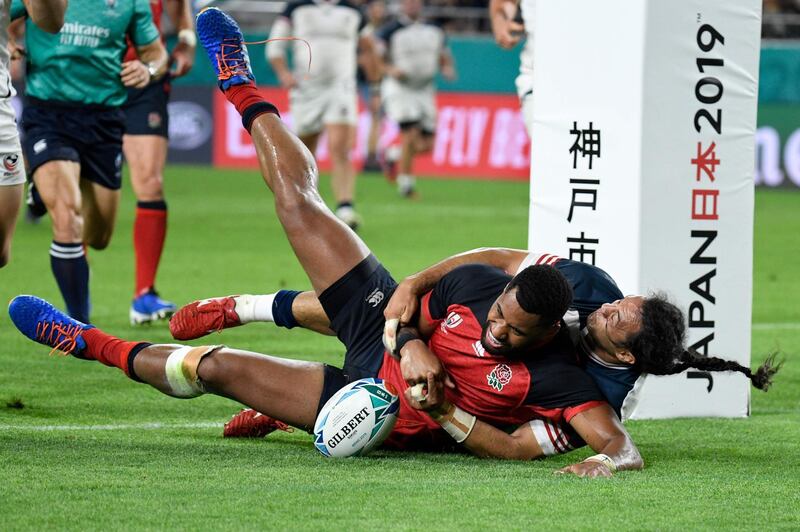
<point x="499" y="377"/>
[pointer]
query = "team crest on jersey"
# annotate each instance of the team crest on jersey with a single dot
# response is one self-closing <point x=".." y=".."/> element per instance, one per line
<point x="154" y="120"/>
<point x="10" y="161"/>
<point x="478" y="348"/>
<point x="499" y="377"/>
<point x="452" y="320"/>
<point x="375" y="298"/>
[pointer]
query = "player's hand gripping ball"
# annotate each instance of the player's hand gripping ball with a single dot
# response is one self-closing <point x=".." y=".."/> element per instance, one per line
<point x="356" y="419"/>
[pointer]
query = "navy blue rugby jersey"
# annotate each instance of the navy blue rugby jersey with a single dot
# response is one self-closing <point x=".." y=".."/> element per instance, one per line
<point x="592" y="287"/>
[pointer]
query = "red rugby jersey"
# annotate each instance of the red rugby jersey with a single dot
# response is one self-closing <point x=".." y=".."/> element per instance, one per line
<point x="157" y="7"/>
<point x="546" y="384"/>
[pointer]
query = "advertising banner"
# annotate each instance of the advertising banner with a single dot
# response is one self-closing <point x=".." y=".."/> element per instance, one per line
<point x="643" y="161"/>
<point x="190" y="125"/>
<point x="478" y="136"/>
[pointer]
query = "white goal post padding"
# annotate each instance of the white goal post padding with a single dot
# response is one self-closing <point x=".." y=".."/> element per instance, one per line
<point x="643" y="162"/>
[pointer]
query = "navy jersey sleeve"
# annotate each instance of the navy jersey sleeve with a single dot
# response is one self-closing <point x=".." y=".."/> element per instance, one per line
<point x="474" y="285"/>
<point x="591" y="287"/>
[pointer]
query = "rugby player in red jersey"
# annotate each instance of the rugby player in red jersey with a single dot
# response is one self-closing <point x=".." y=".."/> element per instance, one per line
<point x="503" y="323"/>
<point x="145" y="147"/>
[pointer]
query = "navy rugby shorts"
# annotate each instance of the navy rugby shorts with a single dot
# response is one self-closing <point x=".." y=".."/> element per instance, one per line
<point x="146" y="109"/>
<point x="355" y="306"/>
<point x="90" y="135"/>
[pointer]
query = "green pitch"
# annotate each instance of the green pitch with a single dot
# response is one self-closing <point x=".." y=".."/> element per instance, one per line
<point x="83" y="447"/>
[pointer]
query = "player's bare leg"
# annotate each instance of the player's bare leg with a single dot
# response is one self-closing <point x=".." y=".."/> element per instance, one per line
<point x="10" y="201"/>
<point x="341" y="139"/>
<point x="406" y="182"/>
<point x="285" y="308"/>
<point x="285" y="389"/>
<point x="146" y="156"/>
<point x="311" y="140"/>
<point x="326" y="248"/>
<point x="99" y="213"/>
<point x="59" y="188"/>
<point x="58" y="185"/>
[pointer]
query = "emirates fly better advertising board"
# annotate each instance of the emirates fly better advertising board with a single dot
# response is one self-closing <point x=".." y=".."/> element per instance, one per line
<point x="642" y="163"/>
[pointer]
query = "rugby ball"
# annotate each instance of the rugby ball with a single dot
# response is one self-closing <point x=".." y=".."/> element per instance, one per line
<point x="356" y="419"/>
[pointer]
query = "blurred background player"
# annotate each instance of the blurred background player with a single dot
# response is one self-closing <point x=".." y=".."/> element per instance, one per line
<point x="324" y="97"/>
<point x="511" y="21"/>
<point x="414" y="51"/>
<point x="48" y="15"/>
<point x="377" y="16"/>
<point x="145" y="147"/>
<point x="73" y="125"/>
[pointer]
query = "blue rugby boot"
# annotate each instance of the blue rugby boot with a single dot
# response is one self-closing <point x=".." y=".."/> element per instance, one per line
<point x="43" y="323"/>
<point x="224" y="44"/>
<point x="149" y="307"/>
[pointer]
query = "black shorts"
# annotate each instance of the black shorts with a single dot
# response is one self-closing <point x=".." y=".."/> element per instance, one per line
<point x="355" y="306"/>
<point x="90" y="135"/>
<point x="146" y="109"/>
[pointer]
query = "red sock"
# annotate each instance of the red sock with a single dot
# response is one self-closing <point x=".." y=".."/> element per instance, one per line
<point x="249" y="103"/>
<point x="243" y="96"/>
<point x="108" y="350"/>
<point x="149" y="232"/>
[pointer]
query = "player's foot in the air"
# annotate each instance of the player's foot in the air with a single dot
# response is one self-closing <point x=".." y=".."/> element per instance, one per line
<point x="42" y="322"/>
<point x="249" y="423"/>
<point x="224" y="44"/>
<point x="200" y="318"/>
<point x="148" y="307"/>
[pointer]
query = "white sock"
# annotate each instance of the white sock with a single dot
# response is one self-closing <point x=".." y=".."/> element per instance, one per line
<point x="392" y="153"/>
<point x="254" y="308"/>
<point x="405" y="183"/>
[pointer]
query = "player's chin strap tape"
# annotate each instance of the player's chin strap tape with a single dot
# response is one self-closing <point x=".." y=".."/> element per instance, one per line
<point x="181" y="371"/>
<point x="456" y="422"/>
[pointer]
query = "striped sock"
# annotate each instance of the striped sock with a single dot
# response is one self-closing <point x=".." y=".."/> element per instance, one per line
<point x="68" y="262"/>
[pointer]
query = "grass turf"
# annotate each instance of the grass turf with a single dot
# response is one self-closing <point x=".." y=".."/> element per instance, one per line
<point x="163" y="463"/>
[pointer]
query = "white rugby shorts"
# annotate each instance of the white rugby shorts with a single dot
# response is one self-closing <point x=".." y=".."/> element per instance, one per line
<point x="404" y="104"/>
<point x="314" y="105"/>
<point x="12" y="166"/>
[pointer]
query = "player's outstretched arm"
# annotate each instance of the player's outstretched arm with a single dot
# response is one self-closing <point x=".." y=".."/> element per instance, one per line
<point x="602" y="430"/>
<point x="47" y="14"/>
<point x="507" y="32"/>
<point x="181" y="60"/>
<point x="404" y="303"/>
<point x="151" y="65"/>
<point x="480" y="438"/>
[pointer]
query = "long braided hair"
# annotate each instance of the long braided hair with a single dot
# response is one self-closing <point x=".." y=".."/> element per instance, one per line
<point x="659" y="346"/>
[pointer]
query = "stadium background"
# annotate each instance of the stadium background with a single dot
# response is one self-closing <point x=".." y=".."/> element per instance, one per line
<point x="81" y="447"/>
<point x="475" y="107"/>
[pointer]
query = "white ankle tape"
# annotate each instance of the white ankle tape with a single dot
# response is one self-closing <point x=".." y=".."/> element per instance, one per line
<point x="181" y="371"/>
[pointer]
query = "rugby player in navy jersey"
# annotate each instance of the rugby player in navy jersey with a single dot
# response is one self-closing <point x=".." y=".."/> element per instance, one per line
<point x="618" y="338"/>
<point x="500" y="338"/>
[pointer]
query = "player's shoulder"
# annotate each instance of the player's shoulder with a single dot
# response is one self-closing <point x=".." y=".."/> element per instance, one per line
<point x="475" y="286"/>
<point x="477" y="275"/>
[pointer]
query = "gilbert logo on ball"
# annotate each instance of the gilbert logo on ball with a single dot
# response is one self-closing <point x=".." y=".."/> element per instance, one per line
<point x="356" y="419"/>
